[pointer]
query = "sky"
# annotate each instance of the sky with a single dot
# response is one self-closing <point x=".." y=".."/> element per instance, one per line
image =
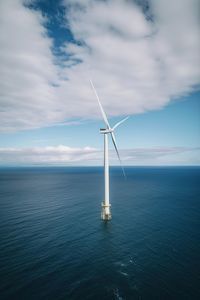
<point x="143" y="58"/>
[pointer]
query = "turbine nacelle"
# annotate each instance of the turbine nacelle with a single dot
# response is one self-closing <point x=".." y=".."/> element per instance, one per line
<point x="106" y="130"/>
<point x="109" y="129"/>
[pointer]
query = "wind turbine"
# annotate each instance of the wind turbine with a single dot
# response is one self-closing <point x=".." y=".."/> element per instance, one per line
<point x="106" y="213"/>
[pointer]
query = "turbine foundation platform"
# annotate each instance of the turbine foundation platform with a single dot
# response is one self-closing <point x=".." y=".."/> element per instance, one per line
<point x="105" y="212"/>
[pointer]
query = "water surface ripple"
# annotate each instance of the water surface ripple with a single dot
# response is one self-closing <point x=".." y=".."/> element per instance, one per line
<point x="54" y="245"/>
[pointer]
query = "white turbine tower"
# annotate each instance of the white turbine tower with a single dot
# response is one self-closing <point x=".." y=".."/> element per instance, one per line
<point x="105" y="213"/>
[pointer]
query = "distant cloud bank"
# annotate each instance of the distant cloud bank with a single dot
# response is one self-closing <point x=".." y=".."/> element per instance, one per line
<point x="139" y="59"/>
<point x="67" y="156"/>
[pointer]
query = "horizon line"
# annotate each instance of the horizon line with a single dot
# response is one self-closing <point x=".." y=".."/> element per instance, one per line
<point x="89" y="166"/>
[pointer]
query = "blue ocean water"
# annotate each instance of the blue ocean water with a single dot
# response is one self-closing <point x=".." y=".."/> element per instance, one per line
<point x="53" y="244"/>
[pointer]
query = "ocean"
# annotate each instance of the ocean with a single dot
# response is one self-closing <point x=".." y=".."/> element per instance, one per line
<point x="53" y="244"/>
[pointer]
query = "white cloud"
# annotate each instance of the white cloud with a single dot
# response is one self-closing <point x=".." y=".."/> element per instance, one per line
<point x="27" y="97"/>
<point x="136" y="65"/>
<point x="63" y="155"/>
<point x="46" y="155"/>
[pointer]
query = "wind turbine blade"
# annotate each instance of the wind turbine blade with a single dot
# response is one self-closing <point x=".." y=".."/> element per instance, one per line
<point x="122" y="121"/>
<point x="115" y="145"/>
<point x="101" y="108"/>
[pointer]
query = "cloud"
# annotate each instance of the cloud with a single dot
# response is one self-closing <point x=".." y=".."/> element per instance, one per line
<point x="27" y="70"/>
<point x="47" y="155"/>
<point x="64" y="155"/>
<point x="137" y="63"/>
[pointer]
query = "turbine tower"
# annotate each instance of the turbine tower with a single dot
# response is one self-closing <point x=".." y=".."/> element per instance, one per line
<point x="106" y="213"/>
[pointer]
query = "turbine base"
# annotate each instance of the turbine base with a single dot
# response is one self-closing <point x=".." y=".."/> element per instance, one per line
<point x="105" y="212"/>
